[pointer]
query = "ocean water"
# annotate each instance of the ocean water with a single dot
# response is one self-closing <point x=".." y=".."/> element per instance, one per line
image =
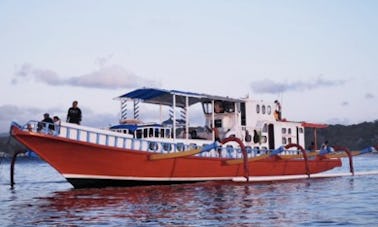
<point x="41" y="197"/>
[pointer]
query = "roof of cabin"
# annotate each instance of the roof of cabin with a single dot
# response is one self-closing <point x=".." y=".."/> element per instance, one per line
<point x="165" y="97"/>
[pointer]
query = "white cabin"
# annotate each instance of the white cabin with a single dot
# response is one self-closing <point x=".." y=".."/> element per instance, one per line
<point x="252" y="121"/>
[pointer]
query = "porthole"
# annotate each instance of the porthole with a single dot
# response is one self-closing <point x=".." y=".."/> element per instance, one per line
<point x="229" y="149"/>
<point x="167" y="146"/>
<point x="153" y="146"/>
<point x="193" y="146"/>
<point x="180" y="147"/>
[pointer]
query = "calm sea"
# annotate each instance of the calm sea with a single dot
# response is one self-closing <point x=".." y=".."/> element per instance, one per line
<point x="42" y="197"/>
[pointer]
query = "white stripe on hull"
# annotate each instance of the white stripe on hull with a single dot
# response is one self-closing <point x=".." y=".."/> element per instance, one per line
<point x="236" y="179"/>
<point x="84" y="176"/>
<point x="301" y="176"/>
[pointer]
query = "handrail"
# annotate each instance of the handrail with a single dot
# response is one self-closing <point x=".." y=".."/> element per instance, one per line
<point x="154" y="145"/>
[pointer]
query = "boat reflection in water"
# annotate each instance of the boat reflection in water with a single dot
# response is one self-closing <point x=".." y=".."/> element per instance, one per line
<point x="210" y="203"/>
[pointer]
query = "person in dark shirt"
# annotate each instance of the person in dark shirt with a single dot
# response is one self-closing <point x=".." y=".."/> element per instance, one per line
<point x="74" y="114"/>
<point x="278" y="110"/>
<point x="47" y="122"/>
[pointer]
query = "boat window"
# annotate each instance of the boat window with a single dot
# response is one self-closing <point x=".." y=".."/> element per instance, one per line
<point x="167" y="133"/>
<point x="150" y="132"/>
<point x="300" y="130"/>
<point x="243" y="115"/>
<point x="145" y="133"/>
<point x="289" y="140"/>
<point x="263" y="109"/>
<point x="289" y="130"/>
<point x="207" y="107"/>
<point x="138" y="133"/>
<point x="156" y="132"/>
<point x="218" y="123"/>
<point x="218" y="107"/>
<point x="264" y="139"/>
<point x="229" y="107"/>
<point x="257" y="108"/>
<point x="269" y="110"/>
<point x="283" y="130"/>
<point x="162" y="132"/>
<point x="284" y="140"/>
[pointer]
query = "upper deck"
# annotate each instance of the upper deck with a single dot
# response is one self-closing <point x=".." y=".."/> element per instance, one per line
<point x="253" y="121"/>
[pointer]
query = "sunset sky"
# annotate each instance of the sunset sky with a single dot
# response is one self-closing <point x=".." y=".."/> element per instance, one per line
<point x="319" y="58"/>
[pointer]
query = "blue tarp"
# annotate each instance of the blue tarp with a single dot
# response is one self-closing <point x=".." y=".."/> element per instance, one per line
<point x="165" y="97"/>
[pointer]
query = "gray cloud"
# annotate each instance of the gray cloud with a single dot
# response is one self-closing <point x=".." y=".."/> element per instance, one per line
<point x="107" y="77"/>
<point x="102" y="61"/>
<point x="22" y="115"/>
<point x="369" y="96"/>
<point x="345" y="103"/>
<point x="274" y="87"/>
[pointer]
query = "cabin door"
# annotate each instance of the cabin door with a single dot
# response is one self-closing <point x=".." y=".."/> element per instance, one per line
<point x="271" y="136"/>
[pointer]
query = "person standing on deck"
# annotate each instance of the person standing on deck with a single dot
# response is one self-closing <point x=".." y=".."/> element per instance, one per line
<point x="74" y="114"/>
<point x="278" y="110"/>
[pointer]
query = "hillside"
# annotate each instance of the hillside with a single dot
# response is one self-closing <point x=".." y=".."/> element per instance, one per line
<point x="354" y="137"/>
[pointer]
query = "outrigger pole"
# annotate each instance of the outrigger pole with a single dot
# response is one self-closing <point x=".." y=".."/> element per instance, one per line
<point x="14" y="157"/>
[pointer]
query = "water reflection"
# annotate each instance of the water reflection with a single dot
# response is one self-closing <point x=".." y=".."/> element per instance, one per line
<point x="333" y="201"/>
<point x="209" y="203"/>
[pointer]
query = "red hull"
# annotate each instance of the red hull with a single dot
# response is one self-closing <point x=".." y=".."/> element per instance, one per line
<point x="82" y="162"/>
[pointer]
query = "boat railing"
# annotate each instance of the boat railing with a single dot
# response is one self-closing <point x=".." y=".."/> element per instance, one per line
<point x="127" y="141"/>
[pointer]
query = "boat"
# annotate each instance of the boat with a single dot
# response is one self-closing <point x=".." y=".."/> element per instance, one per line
<point x="239" y="138"/>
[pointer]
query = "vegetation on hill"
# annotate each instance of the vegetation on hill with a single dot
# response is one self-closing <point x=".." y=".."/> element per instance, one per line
<point x="355" y="137"/>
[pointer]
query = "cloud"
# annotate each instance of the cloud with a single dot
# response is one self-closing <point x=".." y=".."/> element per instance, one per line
<point x="338" y="121"/>
<point x="275" y="87"/>
<point x="22" y="115"/>
<point x="369" y="96"/>
<point x="101" y="61"/>
<point x="345" y="103"/>
<point x="106" y="77"/>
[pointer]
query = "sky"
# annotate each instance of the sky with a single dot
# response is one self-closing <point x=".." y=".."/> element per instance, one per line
<point x="319" y="58"/>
